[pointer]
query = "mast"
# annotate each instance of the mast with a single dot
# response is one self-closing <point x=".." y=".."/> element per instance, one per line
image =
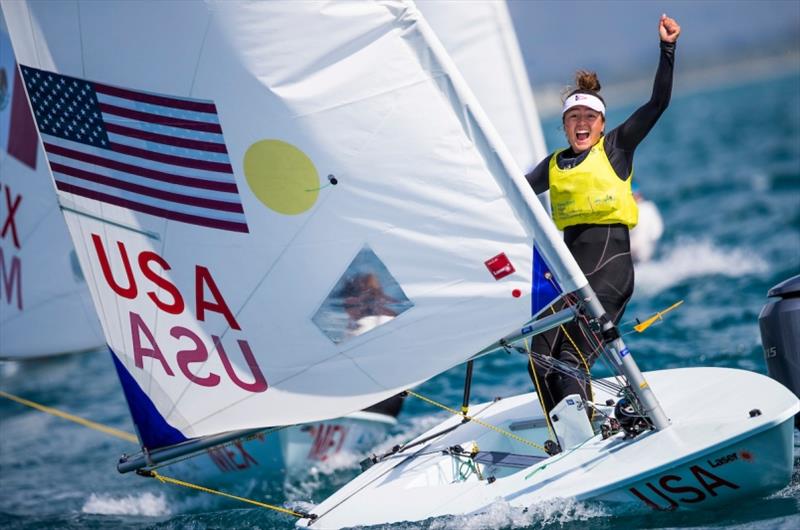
<point x="541" y="228"/>
<point x="613" y="343"/>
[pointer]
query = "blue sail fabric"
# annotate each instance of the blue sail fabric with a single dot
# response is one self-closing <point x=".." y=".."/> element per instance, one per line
<point x="544" y="290"/>
<point x="154" y="431"/>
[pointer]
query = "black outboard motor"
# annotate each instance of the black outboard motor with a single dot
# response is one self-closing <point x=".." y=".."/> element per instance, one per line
<point x="780" y="335"/>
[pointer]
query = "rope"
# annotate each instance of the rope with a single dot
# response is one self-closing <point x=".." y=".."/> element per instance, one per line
<point x="168" y="480"/>
<point x="574" y="345"/>
<point x="578" y="351"/>
<point x="560" y="456"/>
<point x="479" y="422"/>
<point x="551" y="363"/>
<point x="65" y="415"/>
<point x="539" y="395"/>
<point x="132" y="438"/>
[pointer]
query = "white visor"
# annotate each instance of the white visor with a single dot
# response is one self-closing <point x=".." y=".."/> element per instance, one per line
<point x="585" y="100"/>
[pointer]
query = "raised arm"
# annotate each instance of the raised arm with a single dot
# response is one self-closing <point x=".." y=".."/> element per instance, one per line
<point x="635" y="128"/>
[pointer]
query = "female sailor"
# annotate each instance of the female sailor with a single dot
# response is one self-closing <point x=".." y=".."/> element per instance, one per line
<point x="590" y="193"/>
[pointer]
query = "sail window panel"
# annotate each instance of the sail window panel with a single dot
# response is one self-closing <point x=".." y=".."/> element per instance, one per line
<point x="365" y="297"/>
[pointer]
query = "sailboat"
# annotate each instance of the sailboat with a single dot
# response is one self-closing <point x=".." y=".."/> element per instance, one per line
<point x="305" y="211"/>
<point x="41" y="283"/>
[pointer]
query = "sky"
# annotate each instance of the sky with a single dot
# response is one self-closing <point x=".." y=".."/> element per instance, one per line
<point x="619" y="38"/>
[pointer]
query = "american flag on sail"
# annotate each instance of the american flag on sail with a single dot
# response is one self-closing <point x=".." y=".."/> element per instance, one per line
<point x="156" y="154"/>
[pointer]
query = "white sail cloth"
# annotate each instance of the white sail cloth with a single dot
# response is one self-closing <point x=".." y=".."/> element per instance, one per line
<point x="355" y="152"/>
<point x="45" y="307"/>
<point x="482" y="42"/>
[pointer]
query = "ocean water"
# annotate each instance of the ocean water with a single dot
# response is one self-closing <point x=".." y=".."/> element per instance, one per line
<point x="723" y="165"/>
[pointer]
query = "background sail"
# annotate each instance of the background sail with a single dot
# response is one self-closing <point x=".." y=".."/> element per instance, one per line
<point x="45" y="306"/>
<point x="364" y="174"/>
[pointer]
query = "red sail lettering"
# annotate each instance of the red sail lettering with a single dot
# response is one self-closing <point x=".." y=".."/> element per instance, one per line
<point x="177" y="305"/>
<point x="137" y="325"/>
<point x="11" y="277"/>
<point x="10" y="223"/>
<point x="232" y="456"/>
<point x="203" y="276"/>
<point x="325" y="440"/>
<point x="342" y="435"/>
<point x="126" y="292"/>
<point x="320" y="434"/>
<point x="259" y="383"/>
<point x="219" y="457"/>
<point x="716" y="482"/>
<point x="246" y="457"/>
<point x="197" y="355"/>
<point x="698" y="495"/>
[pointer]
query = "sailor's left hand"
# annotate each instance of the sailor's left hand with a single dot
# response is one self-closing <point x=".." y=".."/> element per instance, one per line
<point x="668" y="29"/>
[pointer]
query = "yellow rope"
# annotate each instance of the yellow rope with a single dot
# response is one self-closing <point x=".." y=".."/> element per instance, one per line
<point x="475" y="420"/>
<point x="539" y="394"/>
<point x="131" y="438"/>
<point x="585" y="365"/>
<point x="558" y="457"/>
<point x="169" y="480"/>
<point x="583" y="360"/>
<point x="86" y="423"/>
<point x="577" y="350"/>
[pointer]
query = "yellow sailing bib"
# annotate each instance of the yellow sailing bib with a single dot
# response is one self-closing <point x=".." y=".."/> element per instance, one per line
<point x="591" y="192"/>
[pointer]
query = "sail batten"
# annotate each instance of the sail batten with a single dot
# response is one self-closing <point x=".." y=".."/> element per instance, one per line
<point x="384" y="231"/>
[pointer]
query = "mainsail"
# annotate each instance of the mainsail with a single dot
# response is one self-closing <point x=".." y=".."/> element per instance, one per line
<point x="483" y="44"/>
<point x="285" y="211"/>
<point x="41" y="283"/>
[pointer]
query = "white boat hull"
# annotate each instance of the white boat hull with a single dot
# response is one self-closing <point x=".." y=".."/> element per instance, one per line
<point x="703" y="482"/>
<point x="715" y="451"/>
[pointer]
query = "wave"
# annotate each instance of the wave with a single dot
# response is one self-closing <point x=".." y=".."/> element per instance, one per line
<point x="556" y="513"/>
<point x="691" y="258"/>
<point x="147" y="504"/>
<point x="8" y="368"/>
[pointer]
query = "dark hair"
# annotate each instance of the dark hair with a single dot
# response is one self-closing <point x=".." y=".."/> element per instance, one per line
<point x="586" y="82"/>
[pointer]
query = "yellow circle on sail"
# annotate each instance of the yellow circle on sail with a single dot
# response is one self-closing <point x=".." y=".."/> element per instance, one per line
<point x="281" y="176"/>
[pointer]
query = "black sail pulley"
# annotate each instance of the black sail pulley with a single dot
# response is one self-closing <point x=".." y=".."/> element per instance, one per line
<point x="630" y="419"/>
